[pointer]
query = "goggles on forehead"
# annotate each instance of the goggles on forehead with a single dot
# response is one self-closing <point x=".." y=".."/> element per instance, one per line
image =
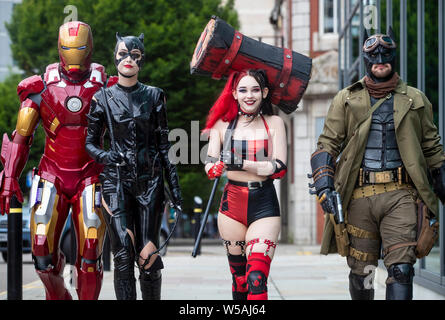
<point x="373" y="41"/>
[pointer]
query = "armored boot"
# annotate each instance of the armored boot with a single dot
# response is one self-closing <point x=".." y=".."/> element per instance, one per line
<point x="357" y="287"/>
<point x="52" y="277"/>
<point x="399" y="284"/>
<point x="151" y="281"/>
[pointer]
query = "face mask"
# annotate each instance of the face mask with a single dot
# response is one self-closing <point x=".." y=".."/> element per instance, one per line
<point x="379" y="49"/>
<point x="131" y="43"/>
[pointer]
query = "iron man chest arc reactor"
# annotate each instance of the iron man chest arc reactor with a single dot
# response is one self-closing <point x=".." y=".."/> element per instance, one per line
<point x="74" y="104"/>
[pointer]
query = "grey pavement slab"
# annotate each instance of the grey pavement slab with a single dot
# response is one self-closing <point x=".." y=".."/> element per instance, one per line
<point x="297" y="273"/>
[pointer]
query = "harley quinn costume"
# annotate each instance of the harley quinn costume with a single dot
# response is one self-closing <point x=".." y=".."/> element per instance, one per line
<point x="246" y="202"/>
<point x="243" y="201"/>
<point x="249" y="205"/>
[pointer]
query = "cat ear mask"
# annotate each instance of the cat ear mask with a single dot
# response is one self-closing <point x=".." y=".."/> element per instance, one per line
<point x="131" y="43"/>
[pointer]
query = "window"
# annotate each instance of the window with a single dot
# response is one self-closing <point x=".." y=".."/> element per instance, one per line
<point x="327" y="16"/>
<point x="319" y="124"/>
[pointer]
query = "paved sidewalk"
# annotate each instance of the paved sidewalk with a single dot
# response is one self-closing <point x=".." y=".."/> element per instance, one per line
<point x="297" y="273"/>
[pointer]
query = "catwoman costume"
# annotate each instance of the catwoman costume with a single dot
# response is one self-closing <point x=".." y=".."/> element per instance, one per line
<point x="132" y="183"/>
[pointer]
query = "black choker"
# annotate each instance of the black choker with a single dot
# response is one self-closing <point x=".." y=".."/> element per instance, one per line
<point x="249" y="115"/>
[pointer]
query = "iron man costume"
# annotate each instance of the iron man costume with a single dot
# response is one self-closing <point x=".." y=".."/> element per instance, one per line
<point x="67" y="178"/>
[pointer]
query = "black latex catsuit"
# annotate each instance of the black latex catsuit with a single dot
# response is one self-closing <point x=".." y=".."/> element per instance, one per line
<point x="139" y="125"/>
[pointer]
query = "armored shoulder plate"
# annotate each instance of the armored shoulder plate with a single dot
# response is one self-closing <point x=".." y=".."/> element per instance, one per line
<point x="52" y="74"/>
<point x="98" y="75"/>
<point x="29" y="86"/>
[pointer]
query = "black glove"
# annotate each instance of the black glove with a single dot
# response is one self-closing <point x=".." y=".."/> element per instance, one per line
<point x="177" y="198"/>
<point x="113" y="158"/>
<point x="327" y="200"/>
<point x="231" y="160"/>
<point x="438" y="176"/>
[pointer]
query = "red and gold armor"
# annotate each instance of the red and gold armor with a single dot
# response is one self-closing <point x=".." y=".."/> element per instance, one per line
<point x="75" y="46"/>
<point x="67" y="178"/>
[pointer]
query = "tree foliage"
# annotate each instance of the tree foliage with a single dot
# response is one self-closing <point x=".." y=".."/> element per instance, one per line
<point x="171" y="29"/>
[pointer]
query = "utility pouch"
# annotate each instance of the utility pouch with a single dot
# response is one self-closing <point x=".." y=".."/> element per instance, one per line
<point x="427" y="230"/>
<point x="341" y="236"/>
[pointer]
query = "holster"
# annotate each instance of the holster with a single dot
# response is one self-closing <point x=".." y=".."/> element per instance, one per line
<point x="427" y="232"/>
<point x="341" y="236"/>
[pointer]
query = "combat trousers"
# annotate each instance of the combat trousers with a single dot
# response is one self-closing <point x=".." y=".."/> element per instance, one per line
<point x="379" y="221"/>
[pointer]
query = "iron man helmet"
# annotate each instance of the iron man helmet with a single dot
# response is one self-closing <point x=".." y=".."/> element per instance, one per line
<point x="75" y="46"/>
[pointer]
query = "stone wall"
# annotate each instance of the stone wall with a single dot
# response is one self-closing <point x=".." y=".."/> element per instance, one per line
<point x="303" y="218"/>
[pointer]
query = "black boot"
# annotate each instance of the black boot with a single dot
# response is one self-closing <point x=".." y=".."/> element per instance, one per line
<point x="124" y="280"/>
<point x="125" y="289"/>
<point x="357" y="287"/>
<point x="399" y="284"/>
<point x="151" y="285"/>
<point x="151" y="281"/>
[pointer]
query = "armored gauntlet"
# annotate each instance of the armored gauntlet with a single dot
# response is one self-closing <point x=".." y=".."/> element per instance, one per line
<point x="323" y="171"/>
<point x="13" y="157"/>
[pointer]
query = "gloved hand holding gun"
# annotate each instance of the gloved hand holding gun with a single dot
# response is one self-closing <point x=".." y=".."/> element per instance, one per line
<point x="331" y="203"/>
<point x="323" y="170"/>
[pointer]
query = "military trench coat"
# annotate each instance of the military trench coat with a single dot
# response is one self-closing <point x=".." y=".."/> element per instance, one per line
<point x="416" y="135"/>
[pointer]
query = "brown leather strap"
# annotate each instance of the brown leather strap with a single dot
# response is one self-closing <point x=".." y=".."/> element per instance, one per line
<point x="397" y="246"/>
<point x="361" y="233"/>
<point x="320" y="172"/>
<point x="362" y="256"/>
<point x="227" y="61"/>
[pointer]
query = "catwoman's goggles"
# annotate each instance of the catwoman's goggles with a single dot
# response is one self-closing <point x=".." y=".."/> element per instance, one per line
<point x="373" y="41"/>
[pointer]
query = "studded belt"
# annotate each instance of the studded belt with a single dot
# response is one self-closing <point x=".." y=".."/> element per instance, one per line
<point x="399" y="175"/>
<point x="375" y="189"/>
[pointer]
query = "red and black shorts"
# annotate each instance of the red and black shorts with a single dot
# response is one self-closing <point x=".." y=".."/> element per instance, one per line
<point x="247" y="202"/>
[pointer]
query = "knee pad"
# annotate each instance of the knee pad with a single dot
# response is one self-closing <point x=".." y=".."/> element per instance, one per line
<point x="43" y="263"/>
<point x="257" y="282"/>
<point x="402" y="273"/>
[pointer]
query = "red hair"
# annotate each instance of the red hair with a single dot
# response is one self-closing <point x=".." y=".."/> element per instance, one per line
<point x="225" y="107"/>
